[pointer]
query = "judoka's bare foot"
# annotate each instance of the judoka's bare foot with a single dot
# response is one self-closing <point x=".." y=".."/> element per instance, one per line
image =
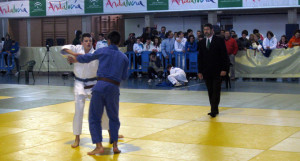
<point x="120" y="136"/>
<point x="98" y="150"/>
<point x="115" y="148"/>
<point x="76" y="143"/>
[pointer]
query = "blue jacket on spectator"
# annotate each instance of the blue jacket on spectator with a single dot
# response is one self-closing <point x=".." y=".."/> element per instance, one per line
<point x="15" y="48"/>
<point x="192" y="47"/>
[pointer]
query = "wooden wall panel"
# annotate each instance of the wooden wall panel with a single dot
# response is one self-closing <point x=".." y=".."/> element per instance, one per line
<point x="74" y="23"/>
<point x="36" y="32"/>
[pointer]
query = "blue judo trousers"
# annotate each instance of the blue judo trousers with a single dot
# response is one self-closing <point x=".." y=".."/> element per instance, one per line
<point x="113" y="65"/>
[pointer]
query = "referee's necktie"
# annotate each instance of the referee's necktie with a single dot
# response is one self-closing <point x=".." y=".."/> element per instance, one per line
<point x="208" y="44"/>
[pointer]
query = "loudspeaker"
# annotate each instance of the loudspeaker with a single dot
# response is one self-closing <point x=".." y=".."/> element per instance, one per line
<point x="290" y="30"/>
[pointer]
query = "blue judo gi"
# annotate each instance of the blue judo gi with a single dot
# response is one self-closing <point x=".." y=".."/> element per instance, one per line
<point x="113" y="65"/>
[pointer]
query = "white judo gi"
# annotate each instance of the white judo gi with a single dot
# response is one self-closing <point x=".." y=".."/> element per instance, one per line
<point x="84" y="71"/>
<point x="177" y="75"/>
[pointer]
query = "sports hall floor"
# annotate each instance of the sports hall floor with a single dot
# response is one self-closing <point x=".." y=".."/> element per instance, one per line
<point x="257" y="121"/>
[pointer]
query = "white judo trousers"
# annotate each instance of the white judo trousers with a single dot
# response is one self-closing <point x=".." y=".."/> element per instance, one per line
<point x="177" y="75"/>
<point x="79" y="106"/>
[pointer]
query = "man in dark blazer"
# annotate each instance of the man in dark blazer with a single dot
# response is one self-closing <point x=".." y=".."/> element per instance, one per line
<point x="213" y="62"/>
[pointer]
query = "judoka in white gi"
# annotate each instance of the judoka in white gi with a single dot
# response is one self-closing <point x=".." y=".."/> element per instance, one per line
<point x="177" y="76"/>
<point x="102" y="42"/>
<point x="85" y="79"/>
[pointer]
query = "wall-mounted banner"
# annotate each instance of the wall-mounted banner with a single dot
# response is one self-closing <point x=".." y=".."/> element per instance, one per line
<point x="14" y="9"/>
<point x="158" y="5"/>
<point x="124" y="6"/>
<point x="65" y="7"/>
<point x="230" y="3"/>
<point x="192" y="4"/>
<point x="93" y="6"/>
<point x="269" y="3"/>
<point x="37" y="7"/>
<point x="298" y="2"/>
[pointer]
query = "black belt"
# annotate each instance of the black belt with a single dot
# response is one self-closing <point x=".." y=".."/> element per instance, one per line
<point x="85" y="80"/>
<point x="88" y="87"/>
<point x="108" y="80"/>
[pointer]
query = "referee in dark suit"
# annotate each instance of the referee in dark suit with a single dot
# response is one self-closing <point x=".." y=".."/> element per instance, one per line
<point x="213" y="62"/>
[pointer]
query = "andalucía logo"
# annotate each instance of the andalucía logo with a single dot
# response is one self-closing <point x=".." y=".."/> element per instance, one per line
<point x="64" y="5"/>
<point x="179" y="2"/>
<point x="12" y="9"/>
<point x="124" y="3"/>
<point x="38" y="6"/>
<point x="94" y="2"/>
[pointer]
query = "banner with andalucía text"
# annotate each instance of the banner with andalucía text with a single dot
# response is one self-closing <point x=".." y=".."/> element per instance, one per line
<point x="269" y="3"/>
<point x="65" y="7"/>
<point x="193" y="4"/>
<point x="124" y="6"/>
<point x="14" y="9"/>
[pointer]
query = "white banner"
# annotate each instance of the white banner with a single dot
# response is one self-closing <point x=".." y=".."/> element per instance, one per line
<point x="14" y="9"/>
<point x="269" y="3"/>
<point x="124" y="6"/>
<point x="64" y="7"/>
<point x="192" y="4"/>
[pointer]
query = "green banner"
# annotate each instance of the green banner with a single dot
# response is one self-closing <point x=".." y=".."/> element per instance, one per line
<point x="37" y="7"/>
<point x="157" y="5"/>
<point x="93" y="6"/>
<point x="298" y="2"/>
<point x="230" y="3"/>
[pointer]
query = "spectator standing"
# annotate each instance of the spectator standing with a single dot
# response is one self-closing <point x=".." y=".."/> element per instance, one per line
<point x="283" y="43"/>
<point x="162" y="33"/>
<point x="148" y="46"/>
<point x="261" y="37"/>
<point x="156" y="45"/>
<point x="138" y="48"/>
<point x="130" y="42"/>
<point x="269" y="43"/>
<point x="243" y="42"/>
<point x="167" y="47"/>
<point x="102" y="42"/>
<point x="295" y="40"/>
<point x="77" y="41"/>
<point x="232" y="49"/>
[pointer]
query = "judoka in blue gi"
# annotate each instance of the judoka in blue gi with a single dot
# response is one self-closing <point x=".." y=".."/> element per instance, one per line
<point x="113" y="67"/>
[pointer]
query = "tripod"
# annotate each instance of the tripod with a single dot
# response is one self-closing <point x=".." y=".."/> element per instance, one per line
<point x="47" y="53"/>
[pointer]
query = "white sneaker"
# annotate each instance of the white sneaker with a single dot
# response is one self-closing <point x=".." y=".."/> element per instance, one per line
<point x="150" y="80"/>
<point x="139" y="75"/>
<point x="194" y="78"/>
<point x="155" y="76"/>
<point x="190" y="78"/>
<point x="16" y="74"/>
<point x="159" y="80"/>
<point x="177" y="84"/>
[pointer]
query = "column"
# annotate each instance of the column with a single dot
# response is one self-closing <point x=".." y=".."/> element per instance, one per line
<point x="212" y="17"/>
<point x="292" y="16"/>
<point x="149" y="21"/>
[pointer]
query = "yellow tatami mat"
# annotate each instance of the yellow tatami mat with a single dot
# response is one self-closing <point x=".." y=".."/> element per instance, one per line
<point x="155" y="132"/>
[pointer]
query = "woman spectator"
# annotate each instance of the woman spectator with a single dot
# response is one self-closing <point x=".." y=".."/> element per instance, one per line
<point x="295" y="40"/>
<point x="269" y="43"/>
<point x="6" y="47"/>
<point x="77" y="41"/>
<point x="257" y="44"/>
<point x="190" y="46"/>
<point x="251" y="38"/>
<point x="156" y="45"/>
<point x="283" y="43"/>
